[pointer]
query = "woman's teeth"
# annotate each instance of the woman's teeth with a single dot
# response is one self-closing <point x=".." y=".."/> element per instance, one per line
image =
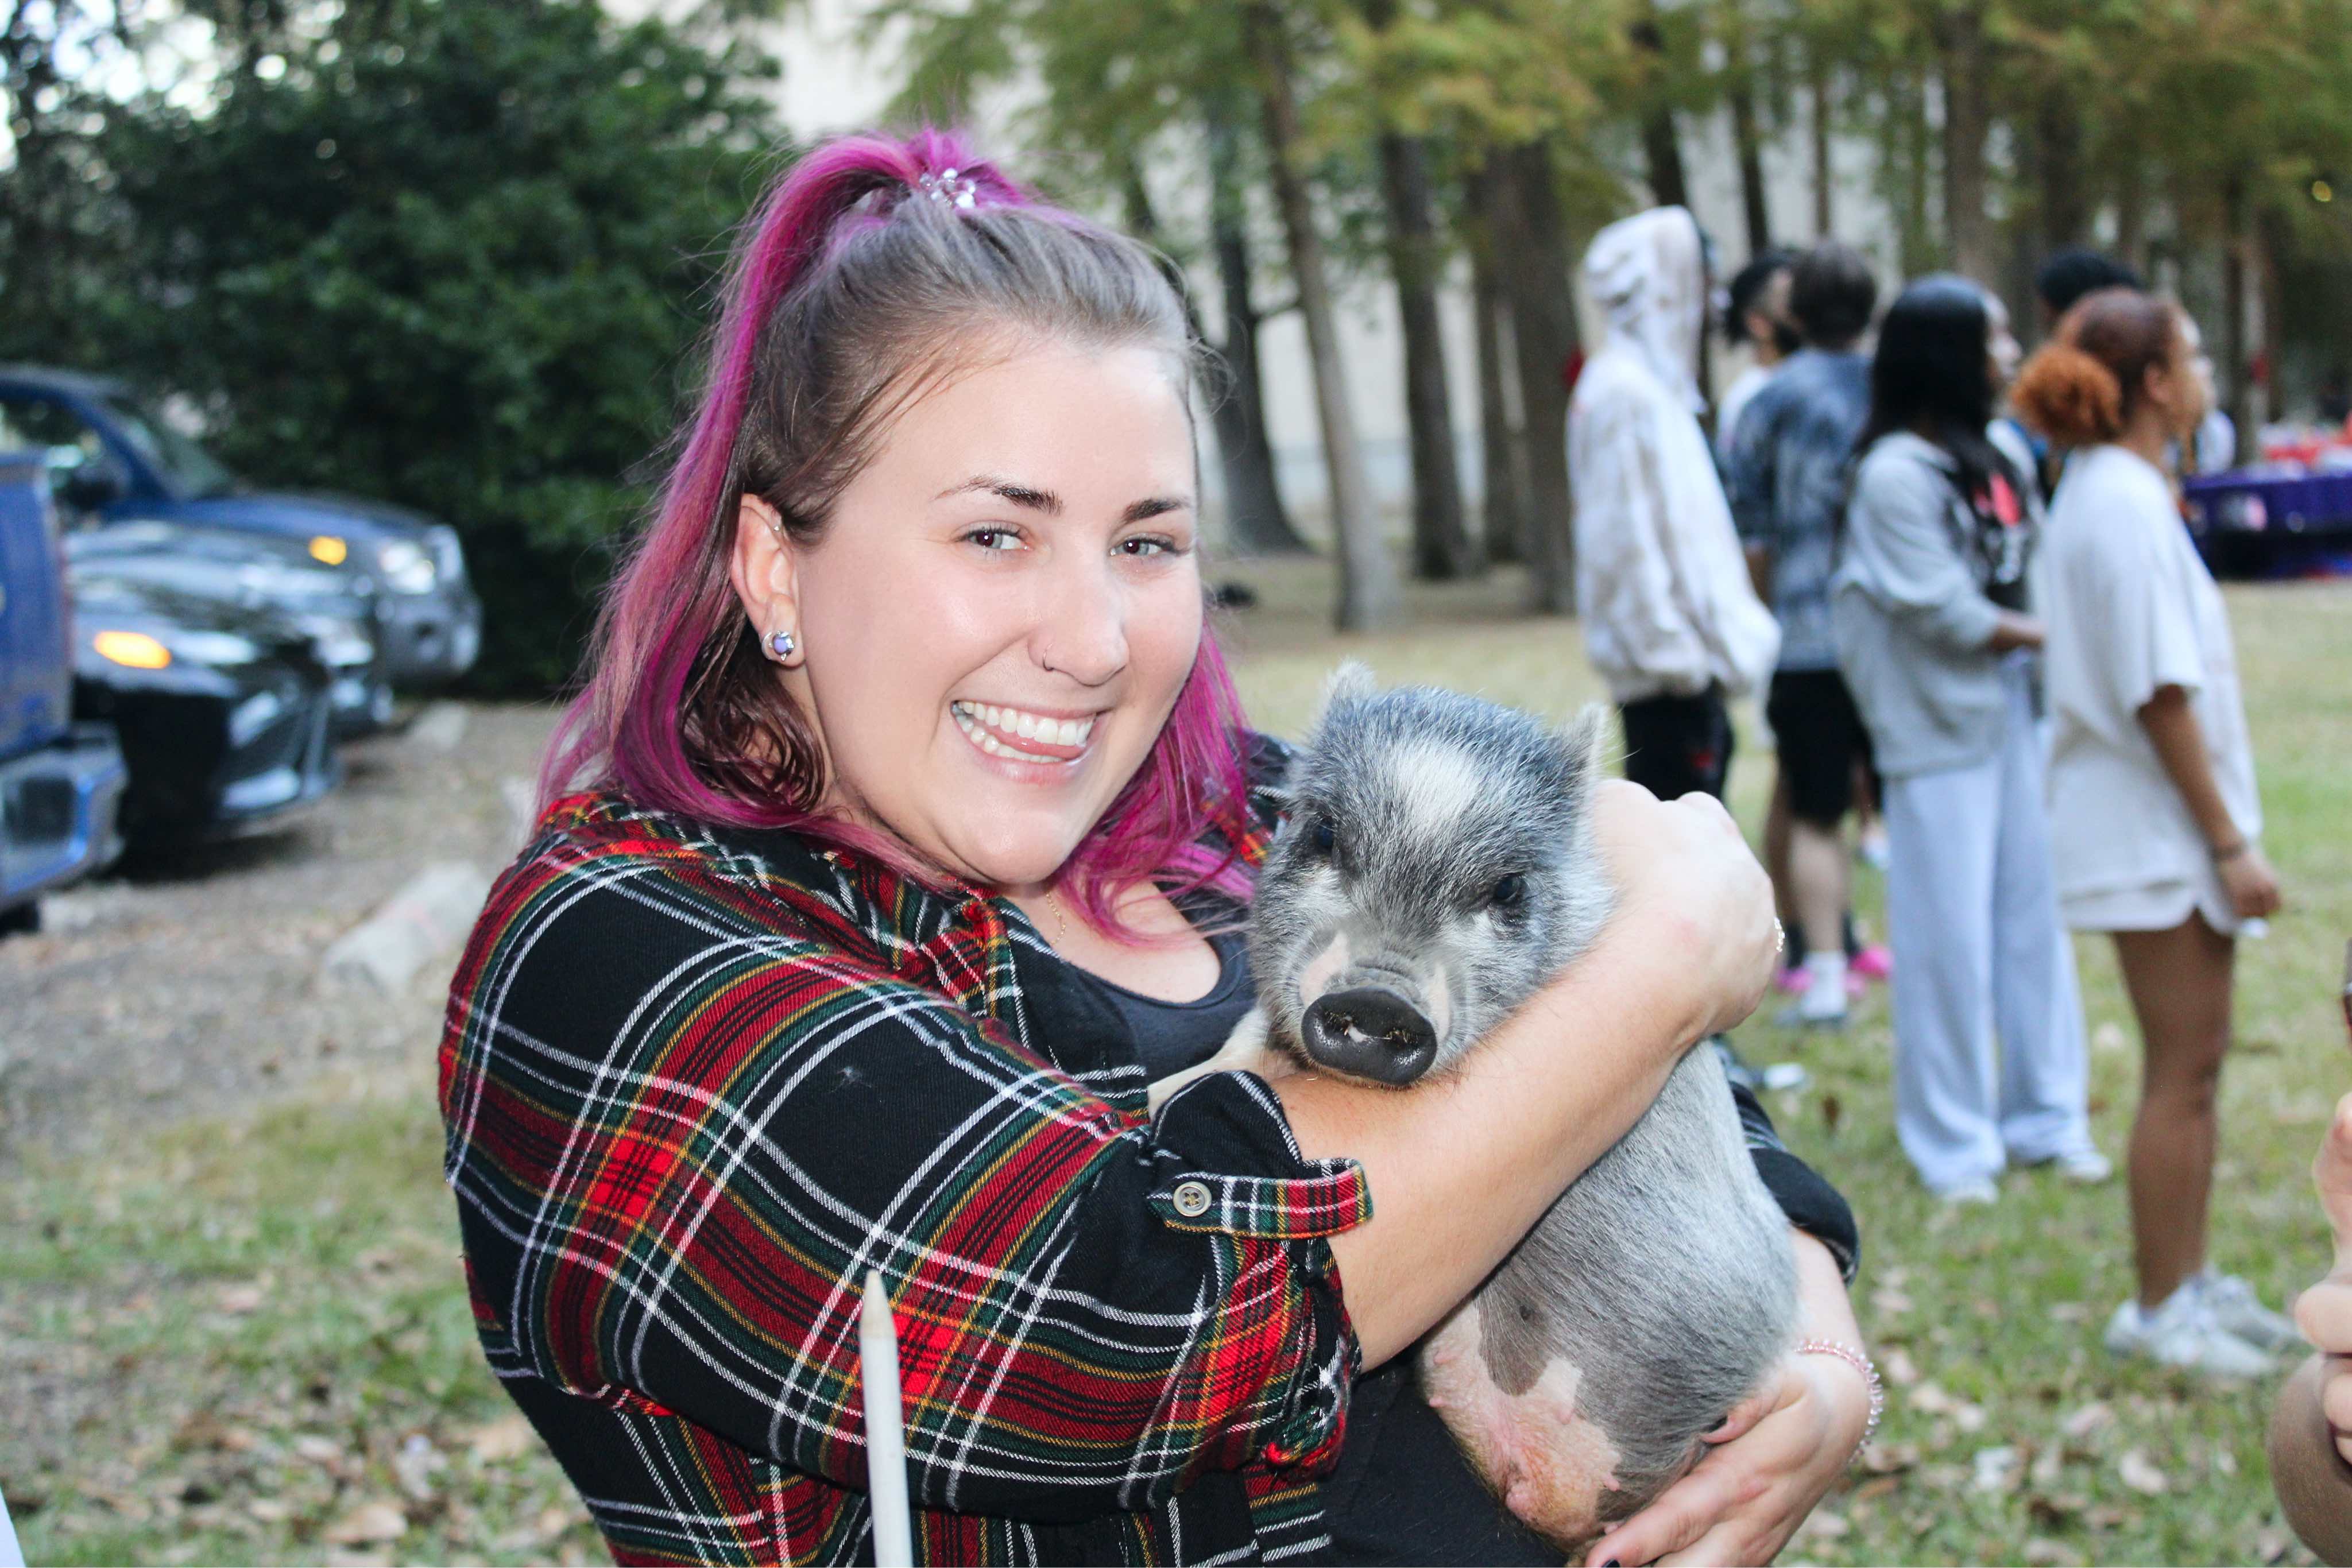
<point x="990" y="729"/>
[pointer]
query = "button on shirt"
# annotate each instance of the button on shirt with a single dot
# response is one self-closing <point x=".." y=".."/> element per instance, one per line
<point x="1787" y="478"/>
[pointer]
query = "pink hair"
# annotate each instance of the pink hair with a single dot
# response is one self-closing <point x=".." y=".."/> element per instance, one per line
<point x="670" y="631"/>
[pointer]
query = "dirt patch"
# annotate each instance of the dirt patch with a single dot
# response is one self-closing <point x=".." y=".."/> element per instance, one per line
<point x="192" y="987"/>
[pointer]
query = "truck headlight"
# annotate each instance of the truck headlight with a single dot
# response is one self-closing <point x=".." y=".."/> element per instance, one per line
<point x="407" y="568"/>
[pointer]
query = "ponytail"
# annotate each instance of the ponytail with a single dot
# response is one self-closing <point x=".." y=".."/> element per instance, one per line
<point x="2070" y="397"/>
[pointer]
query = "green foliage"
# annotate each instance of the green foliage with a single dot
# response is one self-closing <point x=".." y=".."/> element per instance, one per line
<point x="450" y="260"/>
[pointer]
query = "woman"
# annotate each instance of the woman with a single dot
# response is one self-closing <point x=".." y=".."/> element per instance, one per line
<point x="913" y="781"/>
<point x="1933" y="635"/>
<point x="2152" y="800"/>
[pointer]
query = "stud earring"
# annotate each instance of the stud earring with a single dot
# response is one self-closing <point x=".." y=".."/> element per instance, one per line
<point x="781" y="644"/>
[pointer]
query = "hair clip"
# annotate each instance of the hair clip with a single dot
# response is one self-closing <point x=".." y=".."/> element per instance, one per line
<point x="949" y="188"/>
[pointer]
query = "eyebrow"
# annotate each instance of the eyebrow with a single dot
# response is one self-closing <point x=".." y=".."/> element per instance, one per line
<point x="1047" y="502"/>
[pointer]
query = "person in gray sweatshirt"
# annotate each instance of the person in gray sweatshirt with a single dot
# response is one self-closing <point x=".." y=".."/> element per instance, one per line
<point x="1928" y="608"/>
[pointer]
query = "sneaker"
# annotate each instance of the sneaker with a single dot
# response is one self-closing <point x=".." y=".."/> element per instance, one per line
<point x="1874" y="962"/>
<point x="1979" y="1194"/>
<point x="2085" y="1167"/>
<point x="2238" y="1310"/>
<point x="2183" y="1333"/>
<point x="1871" y="849"/>
<point x="1790" y="981"/>
<point x="1824" y="1004"/>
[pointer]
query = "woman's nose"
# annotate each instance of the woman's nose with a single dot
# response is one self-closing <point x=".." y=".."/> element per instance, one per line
<point x="1082" y="625"/>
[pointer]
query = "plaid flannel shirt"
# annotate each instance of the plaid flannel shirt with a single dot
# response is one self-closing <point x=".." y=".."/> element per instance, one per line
<point x="697" y="1082"/>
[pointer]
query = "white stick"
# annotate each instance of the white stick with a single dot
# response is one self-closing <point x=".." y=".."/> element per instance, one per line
<point x="886" y="1430"/>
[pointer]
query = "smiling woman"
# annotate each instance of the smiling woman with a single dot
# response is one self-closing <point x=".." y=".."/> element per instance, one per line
<point x="893" y="847"/>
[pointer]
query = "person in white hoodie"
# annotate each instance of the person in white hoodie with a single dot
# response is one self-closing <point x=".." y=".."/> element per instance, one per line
<point x="1671" y="620"/>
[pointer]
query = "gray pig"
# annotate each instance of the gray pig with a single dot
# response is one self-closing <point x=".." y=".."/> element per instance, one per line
<point x="1436" y="868"/>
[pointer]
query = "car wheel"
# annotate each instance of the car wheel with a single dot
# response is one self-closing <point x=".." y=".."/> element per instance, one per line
<point x="21" y="921"/>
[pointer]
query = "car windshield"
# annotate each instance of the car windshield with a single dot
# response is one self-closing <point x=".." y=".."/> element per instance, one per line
<point x="193" y="471"/>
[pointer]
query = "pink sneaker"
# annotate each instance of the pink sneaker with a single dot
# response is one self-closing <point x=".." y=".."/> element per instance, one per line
<point x="1873" y="963"/>
<point x="1791" y="982"/>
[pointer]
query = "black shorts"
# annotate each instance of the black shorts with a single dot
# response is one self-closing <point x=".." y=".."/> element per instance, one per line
<point x="1823" y="742"/>
<point x="1678" y="745"/>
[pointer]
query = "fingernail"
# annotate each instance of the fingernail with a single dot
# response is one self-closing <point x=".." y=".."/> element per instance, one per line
<point x="1612" y="1562"/>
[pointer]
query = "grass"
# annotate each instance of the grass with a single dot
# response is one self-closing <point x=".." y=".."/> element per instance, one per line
<point x="245" y="1341"/>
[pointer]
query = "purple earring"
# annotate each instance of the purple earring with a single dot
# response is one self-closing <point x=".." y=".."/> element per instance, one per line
<point x="781" y="644"/>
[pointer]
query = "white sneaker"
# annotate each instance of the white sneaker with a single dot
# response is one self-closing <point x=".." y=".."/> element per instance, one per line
<point x="2182" y="1334"/>
<point x="2085" y="1167"/>
<point x="2236" y="1308"/>
<point x="1824" y="1004"/>
<point x="1977" y="1193"/>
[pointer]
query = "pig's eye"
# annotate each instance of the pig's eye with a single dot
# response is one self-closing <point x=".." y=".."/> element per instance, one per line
<point x="1508" y="892"/>
<point x="1321" y="836"/>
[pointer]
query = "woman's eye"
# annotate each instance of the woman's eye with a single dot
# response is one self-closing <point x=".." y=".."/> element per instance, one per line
<point x="1147" y="546"/>
<point x="1508" y="892"/>
<point x="993" y="538"/>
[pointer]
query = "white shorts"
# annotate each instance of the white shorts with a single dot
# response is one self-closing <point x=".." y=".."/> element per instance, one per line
<point x="2152" y="906"/>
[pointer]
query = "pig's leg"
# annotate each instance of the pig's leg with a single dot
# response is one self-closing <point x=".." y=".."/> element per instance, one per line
<point x="1547" y="1460"/>
<point x="1244" y="1051"/>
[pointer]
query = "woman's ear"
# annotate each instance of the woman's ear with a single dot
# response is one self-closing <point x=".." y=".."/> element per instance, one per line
<point x="765" y="570"/>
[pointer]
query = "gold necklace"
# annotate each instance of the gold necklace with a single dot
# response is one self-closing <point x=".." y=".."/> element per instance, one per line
<point x="1061" y="920"/>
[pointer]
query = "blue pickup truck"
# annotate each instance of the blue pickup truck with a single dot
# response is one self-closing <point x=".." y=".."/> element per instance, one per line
<point x="112" y="459"/>
<point x="61" y="782"/>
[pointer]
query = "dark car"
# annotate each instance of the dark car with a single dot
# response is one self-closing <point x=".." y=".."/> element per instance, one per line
<point x="338" y="608"/>
<point x="110" y="457"/>
<point x="60" y="782"/>
<point x="225" y="715"/>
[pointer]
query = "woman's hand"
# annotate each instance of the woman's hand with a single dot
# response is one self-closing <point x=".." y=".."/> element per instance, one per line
<point x="2251" y="885"/>
<point x="1774" y="1458"/>
<point x="1682" y="867"/>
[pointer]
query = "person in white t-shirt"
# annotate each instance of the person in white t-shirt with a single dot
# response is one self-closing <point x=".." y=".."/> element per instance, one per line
<point x="2156" y="823"/>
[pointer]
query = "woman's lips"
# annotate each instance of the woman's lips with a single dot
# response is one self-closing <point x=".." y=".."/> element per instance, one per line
<point x="1019" y="734"/>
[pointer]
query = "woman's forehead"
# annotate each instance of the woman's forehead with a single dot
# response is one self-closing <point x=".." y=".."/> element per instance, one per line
<point x="1056" y="418"/>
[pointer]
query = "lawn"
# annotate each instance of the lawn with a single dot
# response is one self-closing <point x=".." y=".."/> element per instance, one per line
<point x="244" y="1340"/>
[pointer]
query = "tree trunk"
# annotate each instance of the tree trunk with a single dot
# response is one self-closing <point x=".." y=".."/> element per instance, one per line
<point x="1967" y="117"/>
<point x="1820" y="91"/>
<point x="1258" y="523"/>
<point x="1532" y="261"/>
<point x="1659" y="149"/>
<point x="2239" y="395"/>
<point x="2058" y="164"/>
<point x="1502" y="444"/>
<point x="1751" y="143"/>
<point x="1908" y="105"/>
<point x="2131" y="215"/>
<point x="1368" y="595"/>
<point x="1440" y="538"/>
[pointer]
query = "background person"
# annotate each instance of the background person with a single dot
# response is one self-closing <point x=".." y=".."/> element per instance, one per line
<point x="1790" y="462"/>
<point x="905" y="782"/>
<point x="2155" y="818"/>
<point x="1670" y="618"/>
<point x="1932" y="628"/>
<point x="1754" y="314"/>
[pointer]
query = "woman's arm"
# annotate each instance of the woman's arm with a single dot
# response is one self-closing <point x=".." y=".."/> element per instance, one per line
<point x="1776" y="1457"/>
<point x="1460" y="1169"/>
<point x="2179" y="741"/>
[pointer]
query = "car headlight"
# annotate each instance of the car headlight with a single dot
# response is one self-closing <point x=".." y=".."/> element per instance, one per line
<point x="407" y="568"/>
<point x="220" y="648"/>
<point x="329" y="547"/>
<point x="131" y="650"/>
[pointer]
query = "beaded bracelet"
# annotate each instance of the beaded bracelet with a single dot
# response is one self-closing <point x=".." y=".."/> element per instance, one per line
<point x="1860" y="1363"/>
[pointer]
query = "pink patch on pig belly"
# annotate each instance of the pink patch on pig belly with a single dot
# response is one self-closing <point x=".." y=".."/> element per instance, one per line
<point x="1547" y="1463"/>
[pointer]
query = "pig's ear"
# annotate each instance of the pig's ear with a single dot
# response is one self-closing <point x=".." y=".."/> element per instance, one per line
<point x="1583" y="739"/>
<point x="1352" y="681"/>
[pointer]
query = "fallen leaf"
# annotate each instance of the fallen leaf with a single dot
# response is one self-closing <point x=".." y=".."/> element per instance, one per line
<point x="2108" y="1036"/>
<point x="553" y="1521"/>
<point x="1994" y="1469"/>
<point x="269" y="1509"/>
<point x="2135" y="1470"/>
<point x="1899" y="1369"/>
<point x="1884" y="1459"/>
<point x="324" y="1452"/>
<point x="2087" y="1420"/>
<point x="1890" y="1301"/>
<point x="1875" y="1487"/>
<point x="2069" y="1312"/>
<point x="1832" y="1109"/>
<point x="2271" y="1545"/>
<point x="371" y="1522"/>
<point x="2049" y="1462"/>
<point x="2054" y="1511"/>
<point x="241" y="1299"/>
<point x="1930" y="1399"/>
<point x="2043" y="1553"/>
<point x="1968" y="1418"/>
<point x="494" y="1442"/>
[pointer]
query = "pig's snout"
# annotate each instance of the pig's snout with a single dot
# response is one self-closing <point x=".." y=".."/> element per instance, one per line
<point x="1370" y="1033"/>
